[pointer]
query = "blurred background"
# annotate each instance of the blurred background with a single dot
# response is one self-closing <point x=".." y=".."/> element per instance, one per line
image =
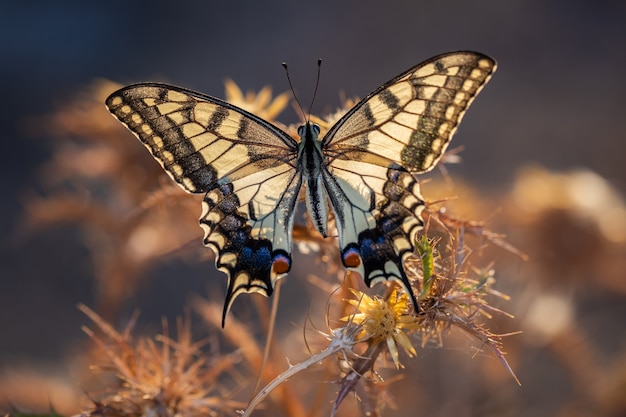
<point x="543" y="159"/>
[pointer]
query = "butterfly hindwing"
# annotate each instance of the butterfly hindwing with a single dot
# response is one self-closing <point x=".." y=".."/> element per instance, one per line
<point x="244" y="165"/>
<point x="253" y="240"/>
<point x="378" y="213"/>
<point x="400" y="129"/>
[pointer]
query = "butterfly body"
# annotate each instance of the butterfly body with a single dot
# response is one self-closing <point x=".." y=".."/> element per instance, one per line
<point x="311" y="164"/>
<point x="363" y="168"/>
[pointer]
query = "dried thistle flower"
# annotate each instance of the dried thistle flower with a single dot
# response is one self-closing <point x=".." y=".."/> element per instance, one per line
<point x="171" y="380"/>
<point x="457" y="295"/>
<point x="450" y="297"/>
<point x="384" y="321"/>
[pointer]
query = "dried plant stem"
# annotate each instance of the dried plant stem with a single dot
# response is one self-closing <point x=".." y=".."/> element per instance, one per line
<point x="270" y="333"/>
<point x="359" y="368"/>
<point x="343" y="340"/>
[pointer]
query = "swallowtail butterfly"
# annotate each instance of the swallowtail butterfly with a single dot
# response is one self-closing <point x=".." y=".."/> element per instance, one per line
<point x="251" y="172"/>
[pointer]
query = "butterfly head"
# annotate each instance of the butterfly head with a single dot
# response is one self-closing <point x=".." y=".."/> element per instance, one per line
<point x="308" y="130"/>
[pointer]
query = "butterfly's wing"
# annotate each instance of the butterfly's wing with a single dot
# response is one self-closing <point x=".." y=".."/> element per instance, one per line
<point x="244" y="166"/>
<point x="400" y="129"/>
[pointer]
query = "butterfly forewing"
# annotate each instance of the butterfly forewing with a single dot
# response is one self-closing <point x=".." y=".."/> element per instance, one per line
<point x="410" y="120"/>
<point x="199" y="139"/>
<point x="243" y="164"/>
<point x="400" y="129"/>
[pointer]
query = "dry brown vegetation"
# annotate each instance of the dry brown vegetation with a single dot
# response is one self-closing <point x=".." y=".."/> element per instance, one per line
<point x="354" y="351"/>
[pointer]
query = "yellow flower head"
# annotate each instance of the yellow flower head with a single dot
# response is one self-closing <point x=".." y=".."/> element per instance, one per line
<point x="383" y="321"/>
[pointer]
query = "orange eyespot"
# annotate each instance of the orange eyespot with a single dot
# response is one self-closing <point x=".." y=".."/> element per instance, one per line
<point x="280" y="266"/>
<point x="351" y="259"/>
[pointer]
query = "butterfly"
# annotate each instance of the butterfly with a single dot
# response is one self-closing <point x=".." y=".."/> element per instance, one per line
<point x="251" y="172"/>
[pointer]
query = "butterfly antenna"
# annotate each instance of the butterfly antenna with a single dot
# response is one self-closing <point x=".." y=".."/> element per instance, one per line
<point x="317" y="84"/>
<point x="304" y="117"/>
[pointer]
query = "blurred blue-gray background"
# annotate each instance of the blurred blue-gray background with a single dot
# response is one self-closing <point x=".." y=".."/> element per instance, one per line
<point x="556" y="100"/>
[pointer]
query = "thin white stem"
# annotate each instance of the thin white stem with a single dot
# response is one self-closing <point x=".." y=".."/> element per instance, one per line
<point x="343" y="339"/>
